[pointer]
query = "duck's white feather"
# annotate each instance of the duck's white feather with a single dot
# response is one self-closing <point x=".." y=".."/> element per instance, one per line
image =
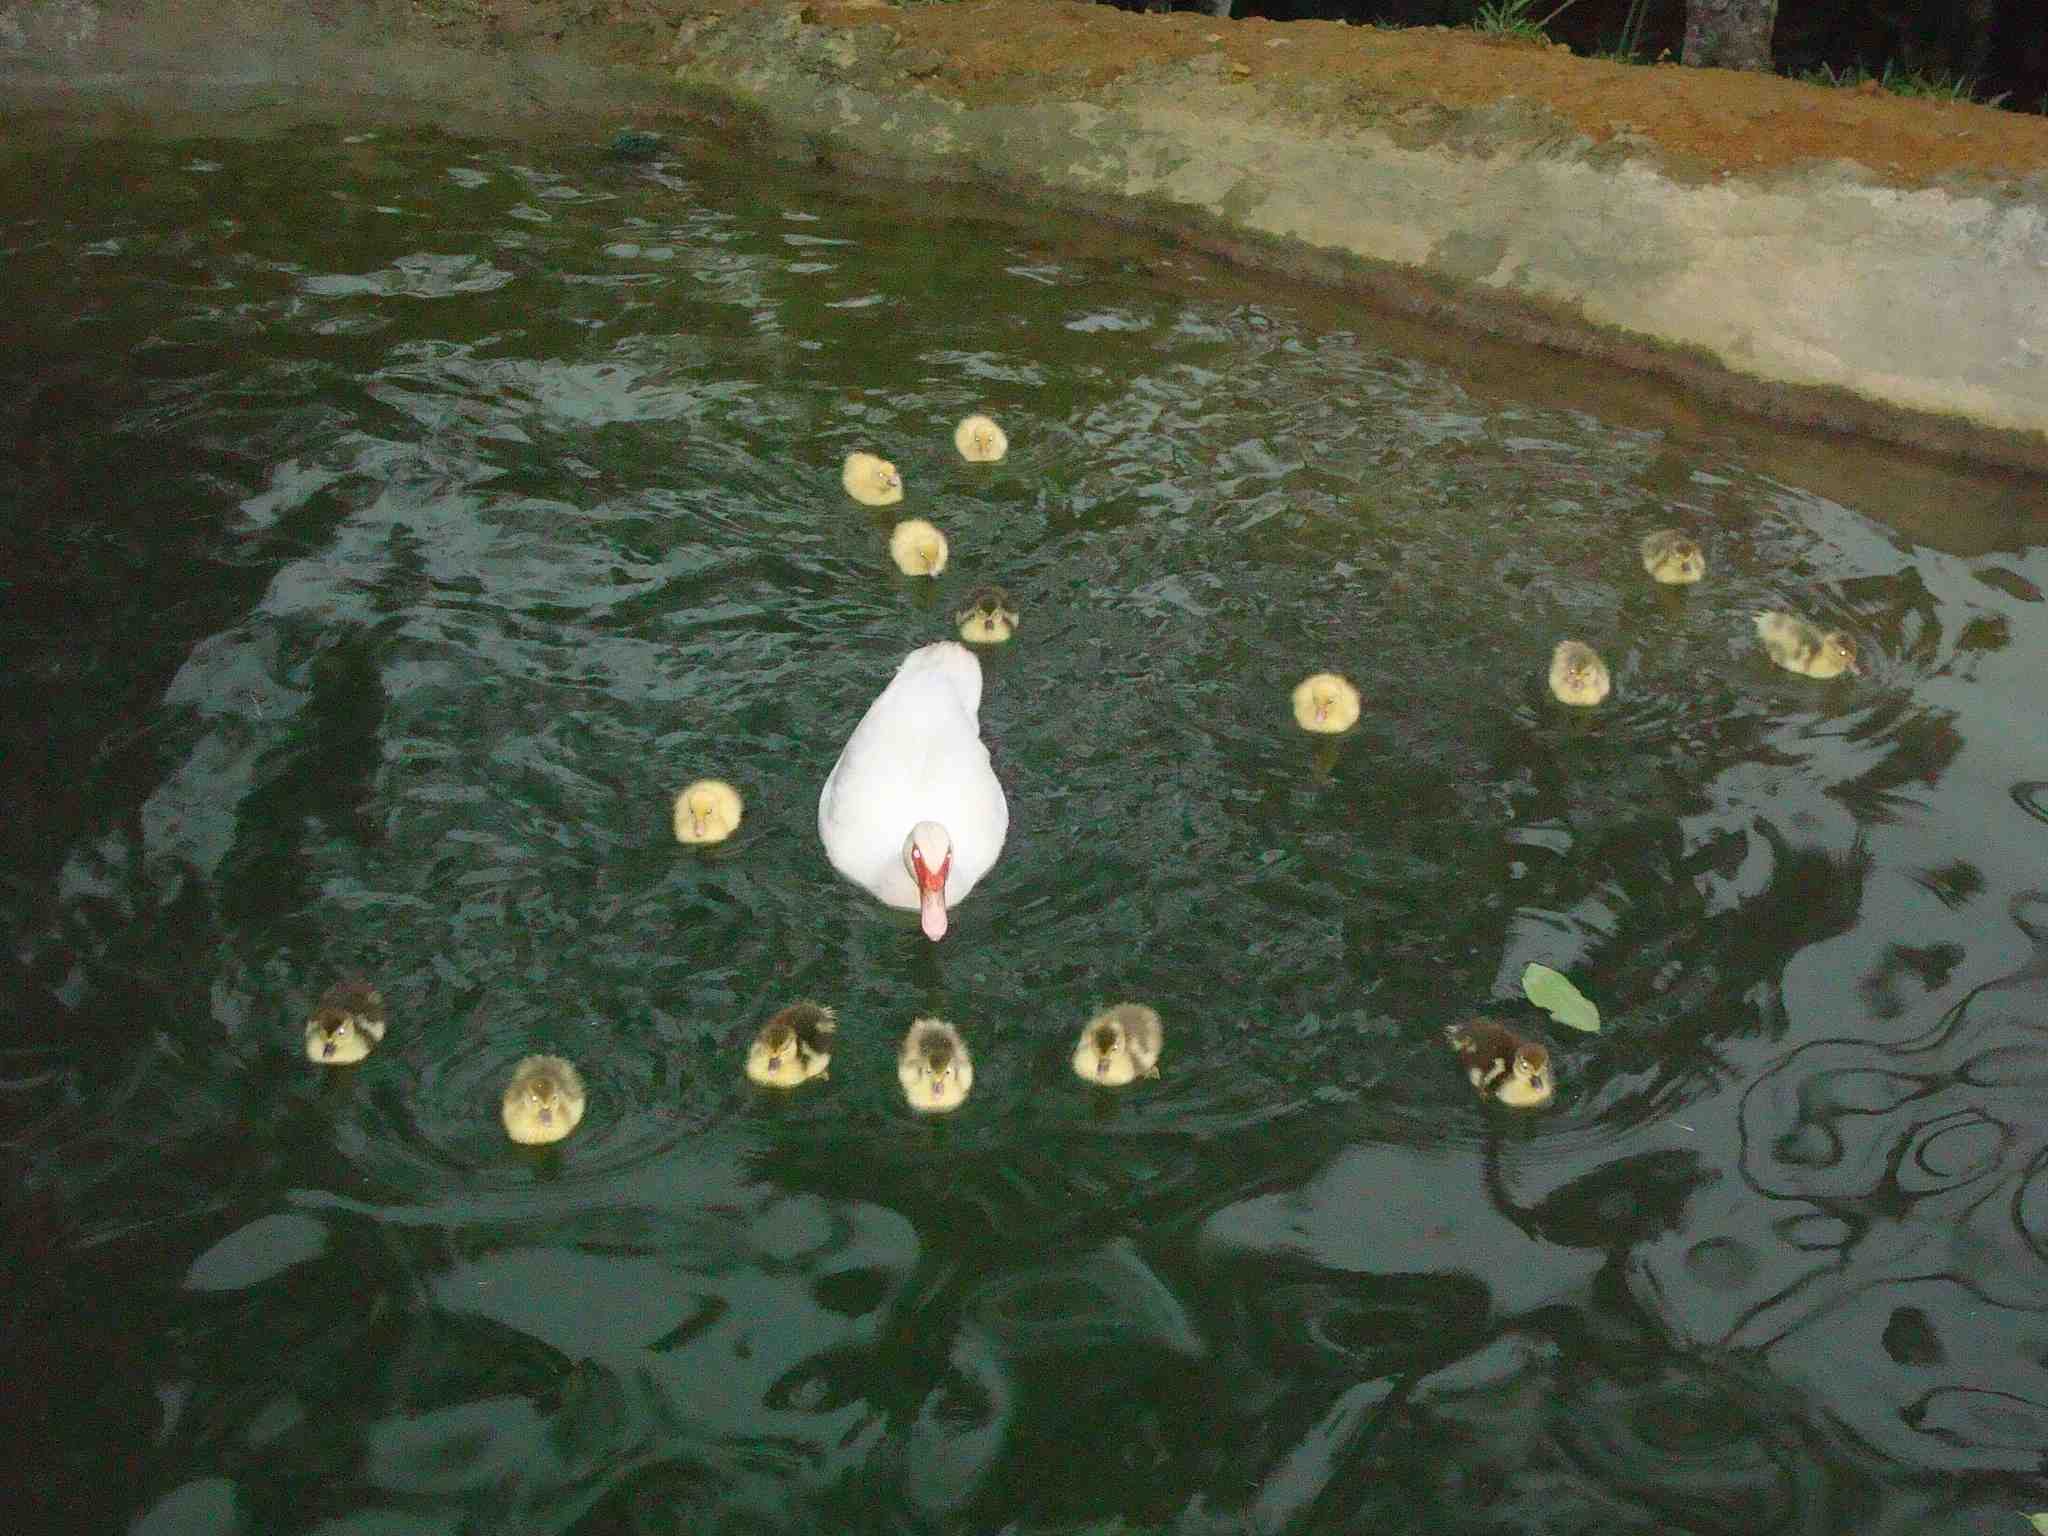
<point x="916" y="755"/>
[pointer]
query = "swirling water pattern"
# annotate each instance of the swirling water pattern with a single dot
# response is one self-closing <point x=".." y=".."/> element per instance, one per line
<point x="395" y="525"/>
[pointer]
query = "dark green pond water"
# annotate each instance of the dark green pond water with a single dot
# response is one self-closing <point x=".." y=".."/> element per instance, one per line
<point x="393" y="525"/>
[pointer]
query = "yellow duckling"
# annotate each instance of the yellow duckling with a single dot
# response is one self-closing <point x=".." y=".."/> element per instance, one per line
<point x="917" y="547"/>
<point x="543" y="1102"/>
<point x="346" y="1023"/>
<point x="1502" y="1065"/>
<point x="1119" y="1046"/>
<point x="1800" y="647"/>
<point x="793" y="1047"/>
<point x="1325" y="703"/>
<point x="1673" y="557"/>
<point x="934" y="1067"/>
<point x="708" y="811"/>
<point x="870" y="480"/>
<point x="1578" y="675"/>
<point x="988" y="618"/>
<point x="980" y="440"/>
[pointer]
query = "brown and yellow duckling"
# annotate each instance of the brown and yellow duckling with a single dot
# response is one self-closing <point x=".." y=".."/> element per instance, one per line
<point x="543" y="1102"/>
<point x="988" y="618"/>
<point x="1502" y="1065"/>
<point x="1673" y="558"/>
<point x="346" y="1024"/>
<point x="1805" y="648"/>
<point x="1119" y="1045"/>
<point x="793" y="1047"/>
<point x="934" y="1067"/>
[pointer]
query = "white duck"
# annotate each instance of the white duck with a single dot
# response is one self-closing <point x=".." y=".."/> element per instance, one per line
<point x="912" y="810"/>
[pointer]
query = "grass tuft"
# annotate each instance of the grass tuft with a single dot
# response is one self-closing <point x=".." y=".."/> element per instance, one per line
<point x="1511" y="18"/>
<point x="1928" y="85"/>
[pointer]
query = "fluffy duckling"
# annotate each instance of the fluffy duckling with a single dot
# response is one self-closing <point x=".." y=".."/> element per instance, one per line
<point x="980" y="440"/>
<point x="1578" y="675"/>
<point x="543" y="1102"/>
<point x="346" y="1023"/>
<point x="793" y="1047"/>
<point x="708" y="811"/>
<point x="871" y="480"/>
<point x="1800" y="647"/>
<point x="934" y="1067"/>
<point x="1673" y="558"/>
<point x="1325" y="703"/>
<point x="988" y="618"/>
<point x="1502" y="1065"/>
<point x="1119" y="1046"/>
<point x="917" y="547"/>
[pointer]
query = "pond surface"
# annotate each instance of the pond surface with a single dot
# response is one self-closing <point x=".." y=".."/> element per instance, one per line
<point x="394" y="525"/>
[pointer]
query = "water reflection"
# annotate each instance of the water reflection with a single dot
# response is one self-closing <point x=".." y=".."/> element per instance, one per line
<point x="406" y="523"/>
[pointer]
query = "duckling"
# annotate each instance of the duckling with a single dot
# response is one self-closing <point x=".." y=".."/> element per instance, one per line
<point x="988" y="618"/>
<point x="1325" y="703"/>
<point x="870" y="480"/>
<point x="1801" y="647"/>
<point x="1502" y="1065"/>
<point x="793" y="1047"/>
<point x="543" y="1102"/>
<point x="708" y="811"/>
<point x="1119" y="1046"/>
<point x="980" y="440"/>
<point x="346" y="1023"/>
<point x="917" y="547"/>
<point x="1578" y="675"/>
<point x="934" y="1067"/>
<point x="1673" y="558"/>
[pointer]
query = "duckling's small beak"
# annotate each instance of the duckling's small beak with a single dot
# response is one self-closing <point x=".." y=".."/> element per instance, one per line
<point x="328" y="1048"/>
<point x="1102" y="1066"/>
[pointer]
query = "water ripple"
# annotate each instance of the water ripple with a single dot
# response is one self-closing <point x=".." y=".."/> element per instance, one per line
<point x="397" y="527"/>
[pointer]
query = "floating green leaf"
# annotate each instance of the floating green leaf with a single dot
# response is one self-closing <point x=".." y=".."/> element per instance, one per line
<point x="2040" y="1522"/>
<point x="1559" y="998"/>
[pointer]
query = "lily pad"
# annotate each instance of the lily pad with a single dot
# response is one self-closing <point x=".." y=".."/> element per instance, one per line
<point x="2039" y="1522"/>
<point x="1556" y="996"/>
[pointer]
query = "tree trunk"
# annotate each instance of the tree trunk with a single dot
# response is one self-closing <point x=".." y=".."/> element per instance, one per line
<point x="1729" y="34"/>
